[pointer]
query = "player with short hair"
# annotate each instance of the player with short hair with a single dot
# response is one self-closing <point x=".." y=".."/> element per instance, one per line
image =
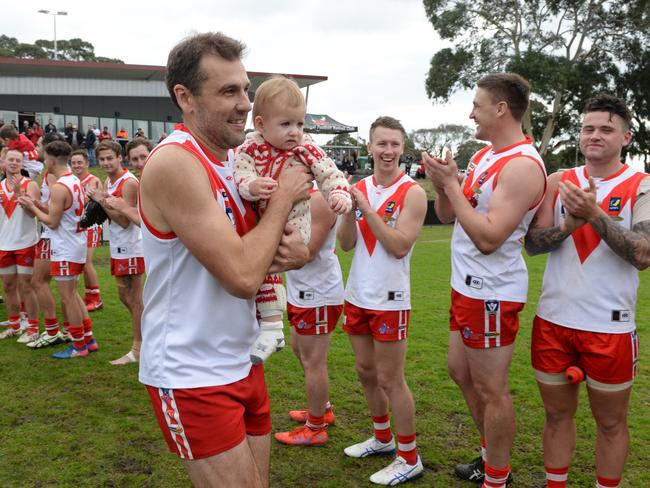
<point x="18" y="237"/>
<point x="67" y="246"/>
<point x="89" y="183"/>
<point x="127" y="261"/>
<point x="594" y="223"/>
<point x="390" y="211"/>
<point x="493" y="208"/>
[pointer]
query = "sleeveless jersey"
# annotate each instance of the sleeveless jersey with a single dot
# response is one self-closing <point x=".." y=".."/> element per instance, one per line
<point x="378" y="280"/>
<point x="18" y="230"/>
<point x="501" y="275"/>
<point x="124" y="243"/>
<point x="68" y="240"/>
<point x="586" y="285"/>
<point x="319" y="282"/>
<point x="84" y="185"/>
<point x="194" y="332"/>
<point x="45" y="198"/>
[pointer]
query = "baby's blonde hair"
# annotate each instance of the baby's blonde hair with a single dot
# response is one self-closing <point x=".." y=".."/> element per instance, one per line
<point x="278" y="92"/>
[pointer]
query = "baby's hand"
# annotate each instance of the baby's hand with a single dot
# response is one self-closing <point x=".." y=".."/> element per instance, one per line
<point x="339" y="204"/>
<point x="262" y="187"/>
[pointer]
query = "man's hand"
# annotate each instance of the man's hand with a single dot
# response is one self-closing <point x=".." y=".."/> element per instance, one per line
<point x="581" y="203"/>
<point x="571" y="223"/>
<point x="13" y="182"/>
<point x="294" y="184"/>
<point x="262" y="187"/>
<point x="96" y="194"/>
<point x="361" y="201"/>
<point x="27" y="202"/>
<point x="292" y="253"/>
<point x="113" y="203"/>
<point x="441" y="172"/>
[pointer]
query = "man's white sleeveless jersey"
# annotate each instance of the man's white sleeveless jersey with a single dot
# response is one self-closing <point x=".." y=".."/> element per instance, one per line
<point x="377" y="279"/>
<point x="68" y="240"/>
<point x="194" y="332"/>
<point x="319" y="282"/>
<point x="18" y="230"/>
<point x="586" y="285"/>
<point x="501" y="275"/>
<point x="124" y="243"/>
<point x="45" y="198"/>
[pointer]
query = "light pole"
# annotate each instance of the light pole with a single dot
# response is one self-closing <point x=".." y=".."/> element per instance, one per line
<point x="54" y="16"/>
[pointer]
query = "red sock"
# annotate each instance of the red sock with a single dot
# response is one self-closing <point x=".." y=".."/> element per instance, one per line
<point x="52" y="326"/>
<point x="495" y="477"/>
<point x="406" y="448"/>
<point x="607" y="482"/>
<point x="382" y="428"/>
<point x="32" y="328"/>
<point x="88" y="329"/>
<point x="92" y="293"/>
<point x="22" y="306"/>
<point x="556" y="477"/>
<point x="14" y="322"/>
<point x="77" y="333"/>
<point x="66" y="327"/>
<point x="483" y="449"/>
<point x="315" y="423"/>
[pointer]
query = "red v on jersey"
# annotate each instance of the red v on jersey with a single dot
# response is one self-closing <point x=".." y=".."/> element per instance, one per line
<point x="8" y="199"/>
<point x="586" y="239"/>
<point x="391" y="206"/>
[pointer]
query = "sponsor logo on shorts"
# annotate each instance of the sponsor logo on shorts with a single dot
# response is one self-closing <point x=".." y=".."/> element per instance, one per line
<point x="621" y="316"/>
<point x="306" y="294"/>
<point x="615" y="204"/>
<point x="492" y="307"/>
<point x="474" y="282"/>
<point x="492" y="334"/>
<point x="302" y="324"/>
<point x="384" y="328"/>
<point x="467" y="333"/>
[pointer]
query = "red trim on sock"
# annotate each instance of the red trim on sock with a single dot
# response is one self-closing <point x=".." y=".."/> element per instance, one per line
<point x="382" y="435"/>
<point x="77" y="333"/>
<point x="609" y="482"/>
<point x="88" y="329"/>
<point x="315" y="423"/>
<point x="14" y="322"/>
<point x="32" y="327"/>
<point x="495" y="477"/>
<point x="410" y="456"/>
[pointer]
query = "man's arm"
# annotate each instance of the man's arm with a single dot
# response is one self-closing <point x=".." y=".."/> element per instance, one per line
<point x="397" y="240"/>
<point x="322" y="221"/>
<point x="176" y="197"/>
<point x="543" y="236"/>
<point x="33" y="193"/>
<point x="130" y="197"/>
<point x="59" y="196"/>
<point x="631" y="245"/>
<point x="520" y="185"/>
<point x="121" y="206"/>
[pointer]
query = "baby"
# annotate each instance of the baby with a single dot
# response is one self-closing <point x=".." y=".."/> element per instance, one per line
<point x="278" y="141"/>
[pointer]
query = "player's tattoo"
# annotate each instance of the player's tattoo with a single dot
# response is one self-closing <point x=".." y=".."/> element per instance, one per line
<point x="631" y="245"/>
<point x="539" y="241"/>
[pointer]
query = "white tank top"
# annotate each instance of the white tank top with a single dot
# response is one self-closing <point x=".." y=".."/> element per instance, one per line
<point x="124" y="243"/>
<point x="45" y="198"/>
<point x="68" y="240"/>
<point x="586" y="285"/>
<point x="501" y="275"/>
<point x="319" y="282"/>
<point x="378" y="280"/>
<point x="18" y="230"/>
<point x="194" y="333"/>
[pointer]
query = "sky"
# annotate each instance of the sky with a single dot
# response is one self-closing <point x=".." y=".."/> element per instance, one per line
<point x="375" y="53"/>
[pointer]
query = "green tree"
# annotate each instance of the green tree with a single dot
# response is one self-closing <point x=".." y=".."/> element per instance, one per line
<point x="434" y="140"/>
<point x="465" y="152"/>
<point x="568" y="49"/>
<point x="69" y="50"/>
<point x="347" y="140"/>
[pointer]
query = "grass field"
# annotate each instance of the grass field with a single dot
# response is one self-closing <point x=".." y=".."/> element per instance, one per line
<point x="85" y="423"/>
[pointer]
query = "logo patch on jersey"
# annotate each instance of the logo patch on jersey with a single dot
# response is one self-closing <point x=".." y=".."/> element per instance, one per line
<point x="474" y="282"/>
<point x="615" y="204"/>
<point x="562" y="211"/>
<point x="492" y="307"/>
<point x="470" y="167"/>
<point x="621" y="315"/>
<point x="397" y="296"/>
<point x="481" y="180"/>
<point x="358" y="213"/>
<point x="388" y="218"/>
<point x="390" y="207"/>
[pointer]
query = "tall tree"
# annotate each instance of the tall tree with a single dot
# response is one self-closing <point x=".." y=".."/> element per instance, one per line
<point x="434" y="140"/>
<point x="569" y="49"/>
<point x="68" y="50"/>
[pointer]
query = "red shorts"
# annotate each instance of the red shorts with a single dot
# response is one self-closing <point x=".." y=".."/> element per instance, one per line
<point x="484" y="323"/>
<point x="66" y="268"/>
<point x="94" y="237"/>
<point x="606" y="358"/>
<point x="20" y="257"/>
<point x="43" y="250"/>
<point x="202" y="422"/>
<point x="314" y="320"/>
<point x="127" y="267"/>
<point x="384" y="325"/>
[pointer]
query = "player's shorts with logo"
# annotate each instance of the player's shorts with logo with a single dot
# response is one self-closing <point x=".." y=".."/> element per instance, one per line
<point x="65" y="269"/>
<point x="202" y="422"/>
<point x="383" y="325"/>
<point x="19" y="260"/>
<point x="43" y="250"/>
<point x="484" y="323"/>
<point x="94" y="237"/>
<point x="606" y="359"/>
<point x="127" y="267"/>
<point x="314" y="320"/>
